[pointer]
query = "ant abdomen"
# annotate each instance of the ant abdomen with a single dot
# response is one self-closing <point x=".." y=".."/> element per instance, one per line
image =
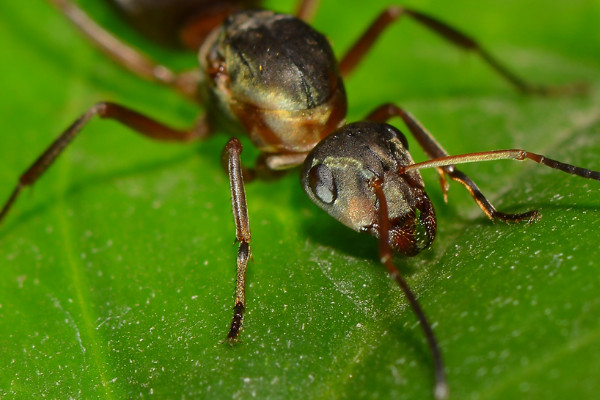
<point x="179" y="23"/>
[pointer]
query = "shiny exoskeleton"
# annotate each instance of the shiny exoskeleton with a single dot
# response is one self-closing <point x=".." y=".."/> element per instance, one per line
<point x="273" y="77"/>
<point x="349" y="159"/>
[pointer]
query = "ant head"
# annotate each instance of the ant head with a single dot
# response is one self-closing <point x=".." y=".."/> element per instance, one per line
<point x="277" y="76"/>
<point x="337" y="176"/>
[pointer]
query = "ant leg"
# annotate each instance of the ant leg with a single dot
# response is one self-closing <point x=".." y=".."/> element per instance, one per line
<point x="233" y="150"/>
<point x="126" y="56"/>
<point x="238" y="174"/>
<point x="393" y="13"/>
<point x="426" y="140"/>
<point x="434" y="151"/>
<point x="268" y="167"/>
<point x="510" y="154"/>
<point x="138" y="122"/>
<point x="307" y="9"/>
<point x="386" y="253"/>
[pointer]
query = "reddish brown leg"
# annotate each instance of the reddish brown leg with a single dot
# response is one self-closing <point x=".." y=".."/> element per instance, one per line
<point x="386" y="254"/>
<point x="393" y="13"/>
<point x="434" y="150"/>
<point x="307" y="9"/>
<point x="262" y="170"/>
<point x="125" y="55"/>
<point x="238" y="174"/>
<point x="242" y="233"/>
<point x="136" y="121"/>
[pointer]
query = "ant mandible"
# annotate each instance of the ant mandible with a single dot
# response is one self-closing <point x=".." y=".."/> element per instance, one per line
<point x="274" y="78"/>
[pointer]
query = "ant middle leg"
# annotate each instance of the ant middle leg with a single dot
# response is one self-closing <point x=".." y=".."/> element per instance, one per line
<point x="454" y="36"/>
<point x="126" y="56"/>
<point x="136" y="121"/>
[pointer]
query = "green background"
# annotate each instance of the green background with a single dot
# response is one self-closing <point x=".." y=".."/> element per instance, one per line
<point x="118" y="267"/>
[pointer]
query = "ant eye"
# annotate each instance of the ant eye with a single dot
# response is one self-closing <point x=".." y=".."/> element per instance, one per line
<point x="322" y="183"/>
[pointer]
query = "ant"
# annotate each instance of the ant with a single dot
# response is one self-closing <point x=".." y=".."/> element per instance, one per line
<point x="272" y="77"/>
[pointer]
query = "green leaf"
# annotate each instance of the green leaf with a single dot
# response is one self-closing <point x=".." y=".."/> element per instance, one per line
<point x="118" y="267"/>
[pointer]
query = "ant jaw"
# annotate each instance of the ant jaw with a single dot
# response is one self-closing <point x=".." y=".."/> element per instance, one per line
<point x="414" y="232"/>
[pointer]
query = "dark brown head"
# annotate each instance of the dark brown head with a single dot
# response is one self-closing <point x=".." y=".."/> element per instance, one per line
<point x="337" y="173"/>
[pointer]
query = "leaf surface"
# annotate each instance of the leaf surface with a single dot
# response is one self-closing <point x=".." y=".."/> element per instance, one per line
<point x="118" y="267"/>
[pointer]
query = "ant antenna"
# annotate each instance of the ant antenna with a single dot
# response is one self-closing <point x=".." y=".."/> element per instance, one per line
<point x="512" y="154"/>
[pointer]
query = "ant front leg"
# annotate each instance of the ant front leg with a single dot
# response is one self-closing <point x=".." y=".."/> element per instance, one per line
<point x="434" y="150"/>
<point x="267" y="167"/>
<point x="136" y="121"/>
<point x="386" y="254"/>
<point x="126" y="56"/>
<point x="454" y="36"/>
<point x="235" y="170"/>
